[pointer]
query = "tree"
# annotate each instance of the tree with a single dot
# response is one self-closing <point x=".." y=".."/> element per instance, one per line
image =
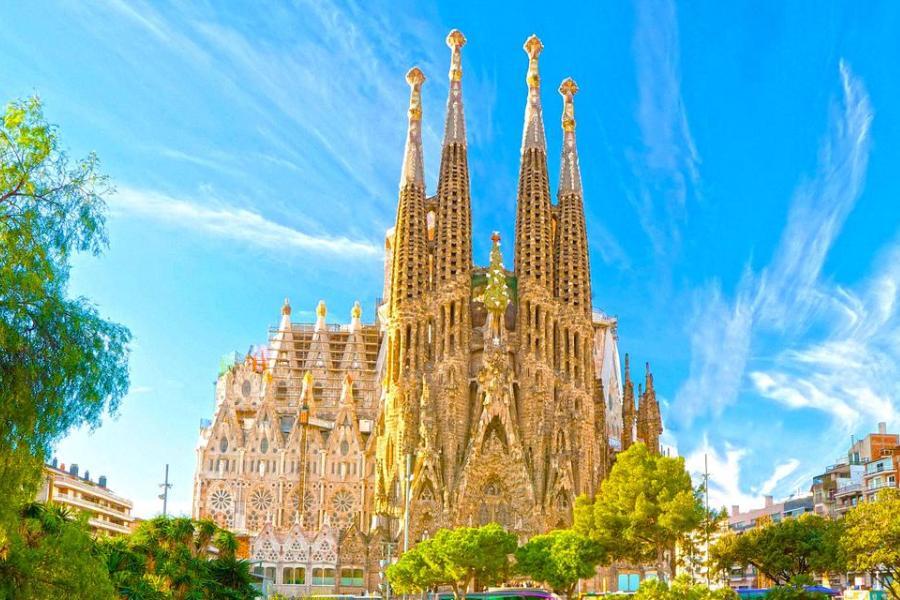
<point x="61" y="365"/>
<point x="785" y="550"/>
<point x="559" y="559"/>
<point x="644" y="507"/>
<point x="51" y="555"/>
<point x="871" y="539"/>
<point x="455" y="558"/>
<point x="170" y="559"/>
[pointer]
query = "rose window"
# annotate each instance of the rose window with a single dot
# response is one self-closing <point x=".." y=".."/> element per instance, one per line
<point x="342" y="501"/>
<point x="261" y="500"/>
<point x="220" y="500"/>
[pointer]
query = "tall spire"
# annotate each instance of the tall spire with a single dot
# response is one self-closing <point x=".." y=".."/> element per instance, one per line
<point x="569" y="171"/>
<point x="534" y="243"/>
<point x="413" y="167"/>
<point x="409" y="256"/>
<point x="649" y="418"/>
<point x="453" y="253"/>
<point x="533" y="132"/>
<point x="455" y="124"/>
<point x="573" y="271"/>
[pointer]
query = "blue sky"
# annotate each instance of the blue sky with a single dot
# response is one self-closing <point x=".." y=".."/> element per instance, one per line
<point x="739" y="163"/>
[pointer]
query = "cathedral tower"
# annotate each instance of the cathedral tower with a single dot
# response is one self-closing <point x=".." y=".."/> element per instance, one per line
<point x="407" y="324"/>
<point x="535" y="319"/>
<point x="453" y="267"/>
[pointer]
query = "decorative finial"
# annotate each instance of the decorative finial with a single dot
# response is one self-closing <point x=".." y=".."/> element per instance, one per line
<point x="415" y="78"/>
<point x="455" y="40"/>
<point x="356" y="311"/>
<point x="286" y="308"/>
<point x="568" y="89"/>
<point x="321" y="309"/>
<point x="533" y="48"/>
<point x="496" y="291"/>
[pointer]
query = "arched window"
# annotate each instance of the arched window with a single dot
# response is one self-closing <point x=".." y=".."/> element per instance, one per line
<point x="264" y="446"/>
<point x="223" y="444"/>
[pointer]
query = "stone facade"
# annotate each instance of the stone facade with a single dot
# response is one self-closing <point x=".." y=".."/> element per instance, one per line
<point x="482" y="394"/>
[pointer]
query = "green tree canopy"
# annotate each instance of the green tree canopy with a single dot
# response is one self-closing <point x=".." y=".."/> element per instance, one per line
<point x="61" y="365"/>
<point x="455" y="558"/>
<point x="871" y="539"/>
<point x="51" y="555"/>
<point x="644" y="507"/>
<point x="170" y="559"/>
<point x="782" y="551"/>
<point x="560" y="559"/>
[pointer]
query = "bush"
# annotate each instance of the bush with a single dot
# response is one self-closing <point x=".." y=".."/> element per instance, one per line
<point x="682" y="588"/>
<point x="795" y="590"/>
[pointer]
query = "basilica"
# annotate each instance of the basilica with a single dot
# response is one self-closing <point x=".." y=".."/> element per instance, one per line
<point x="474" y="395"/>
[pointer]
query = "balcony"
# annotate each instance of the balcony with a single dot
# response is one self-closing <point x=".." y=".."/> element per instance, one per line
<point x="92" y="507"/>
<point x="848" y="490"/>
<point x="109" y="526"/>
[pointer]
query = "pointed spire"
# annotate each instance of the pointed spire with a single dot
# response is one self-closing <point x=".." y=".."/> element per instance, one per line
<point x="453" y="229"/>
<point x="569" y="171"/>
<point x="534" y="220"/>
<point x="413" y="172"/>
<point x="409" y="250"/>
<point x="455" y="125"/>
<point x="533" y="133"/>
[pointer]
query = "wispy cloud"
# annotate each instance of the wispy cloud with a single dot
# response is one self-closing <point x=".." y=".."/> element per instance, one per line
<point x="232" y="223"/>
<point x="327" y="101"/>
<point x="725" y="470"/>
<point x="666" y="167"/>
<point x="786" y="294"/>
<point x="782" y="472"/>
<point x="850" y="372"/>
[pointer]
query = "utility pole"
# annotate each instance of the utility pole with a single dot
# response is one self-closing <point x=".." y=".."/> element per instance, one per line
<point x="706" y="493"/>
<point x="166" y="486"/>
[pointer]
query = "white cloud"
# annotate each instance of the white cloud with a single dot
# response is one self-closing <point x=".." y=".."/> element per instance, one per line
<point x="666" y="168"/>
<point x="724" y="474"/>
<point x="781" y="472"/>
<point x="784" y="297"/>
<point x="234" y="223"/>
<point x="850" y="372"/>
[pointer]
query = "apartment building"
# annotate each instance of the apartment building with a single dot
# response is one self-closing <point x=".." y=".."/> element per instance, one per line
<point x="771" y="511"/>
<point x="109" y="514"/>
